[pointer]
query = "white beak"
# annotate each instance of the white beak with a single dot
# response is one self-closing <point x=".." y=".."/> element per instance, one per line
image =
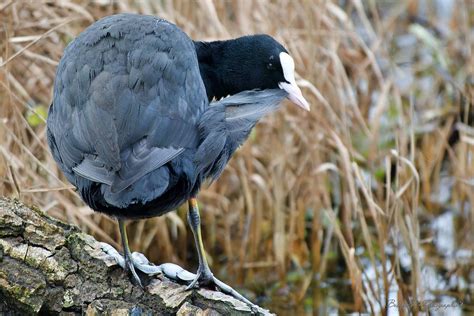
<point x="294" y="92"/>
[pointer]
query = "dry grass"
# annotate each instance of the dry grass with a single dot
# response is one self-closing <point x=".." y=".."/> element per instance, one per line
<point x="331" y="210"/>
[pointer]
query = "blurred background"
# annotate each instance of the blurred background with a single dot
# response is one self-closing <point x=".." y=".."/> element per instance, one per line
<point x="364" y="204"/>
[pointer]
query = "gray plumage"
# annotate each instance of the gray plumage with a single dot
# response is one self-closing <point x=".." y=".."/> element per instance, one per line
<point x="130" y="124"/>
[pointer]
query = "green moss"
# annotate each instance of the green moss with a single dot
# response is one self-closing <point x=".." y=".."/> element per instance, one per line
<point x="68" y="299"/>
<point x="76" y="242"/>
<point x="21" y="284"/>
<point x="31" y="261"/>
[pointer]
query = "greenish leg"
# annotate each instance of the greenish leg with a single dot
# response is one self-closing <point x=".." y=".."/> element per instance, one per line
<point x="129" y="264"/>
<point x="204" y="274"/>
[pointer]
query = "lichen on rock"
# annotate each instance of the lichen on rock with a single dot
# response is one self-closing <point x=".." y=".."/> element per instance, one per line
<point x="51" y="267"/>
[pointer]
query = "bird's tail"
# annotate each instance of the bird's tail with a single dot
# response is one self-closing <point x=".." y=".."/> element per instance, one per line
<point x="228" y="122"/>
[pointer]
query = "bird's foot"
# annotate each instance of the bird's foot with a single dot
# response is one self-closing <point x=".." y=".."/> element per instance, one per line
<point x="227" y="289"/>
<point x="130" y="267"/>
<point x="204" y="277"/>
<point x="129" y="264"/>
<point x="141" y="263"/>
<point x="112" y="252"/>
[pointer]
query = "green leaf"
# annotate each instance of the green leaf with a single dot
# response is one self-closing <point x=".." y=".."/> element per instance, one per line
<point x="37" y="115"/>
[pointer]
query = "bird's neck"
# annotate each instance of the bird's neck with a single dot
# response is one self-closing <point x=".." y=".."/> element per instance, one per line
<point x="215" y="70"/>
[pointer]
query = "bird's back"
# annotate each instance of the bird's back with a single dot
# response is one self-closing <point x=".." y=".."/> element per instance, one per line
<point x="127" y="100"/>
<point x="130" y="124"/>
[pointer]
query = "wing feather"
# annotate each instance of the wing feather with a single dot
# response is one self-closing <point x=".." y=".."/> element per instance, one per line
<point x="128" y="96"/>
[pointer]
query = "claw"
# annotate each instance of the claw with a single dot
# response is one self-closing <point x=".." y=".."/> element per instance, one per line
<point x="224" y="288"/>
<point x="145" y="266"/>
<point x="130" y="266"/>
<point x="127" y="265"/>
<point x="230" y="291"/>
<point x="170" y="270"/>
<point x="193" y="284"/>
<point x="174" y="272"/>
<point x="111" y="251"/>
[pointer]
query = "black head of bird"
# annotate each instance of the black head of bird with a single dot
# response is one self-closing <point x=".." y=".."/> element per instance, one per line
<point x="246" y="63"/>
<point x="131" y="124"/>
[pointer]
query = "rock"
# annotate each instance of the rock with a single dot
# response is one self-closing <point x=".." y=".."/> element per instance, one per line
<point x="50" y="267"/>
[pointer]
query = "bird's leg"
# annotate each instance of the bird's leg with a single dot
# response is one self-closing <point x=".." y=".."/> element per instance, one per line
<point x="204" y="274"/>
<point x="129" y="264"/>
<point x="170" y="270"/>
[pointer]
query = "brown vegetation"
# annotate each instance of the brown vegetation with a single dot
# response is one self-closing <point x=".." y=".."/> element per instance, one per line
<point x="318" y="209"/>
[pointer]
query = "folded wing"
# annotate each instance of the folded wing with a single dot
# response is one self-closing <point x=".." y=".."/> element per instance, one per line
<point x="127" y="100"/>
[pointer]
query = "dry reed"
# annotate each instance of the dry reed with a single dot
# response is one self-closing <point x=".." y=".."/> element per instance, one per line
<point x="336" y="201"/>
